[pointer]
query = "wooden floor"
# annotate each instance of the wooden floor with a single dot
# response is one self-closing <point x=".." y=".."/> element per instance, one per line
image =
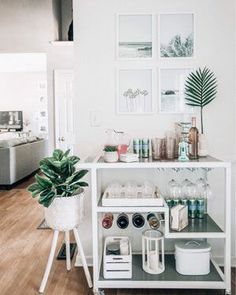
<point x="24" y="251"/>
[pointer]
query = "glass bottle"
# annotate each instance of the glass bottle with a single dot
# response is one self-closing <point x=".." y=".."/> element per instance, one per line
<point x="153" y="221"/>
<point x="138" y="220"/>
<point x="107" y="220"/>
<point x="193" y="140"/>
<point x="122" y="221"/>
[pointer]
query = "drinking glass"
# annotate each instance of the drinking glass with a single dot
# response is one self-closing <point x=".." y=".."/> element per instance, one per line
<point x="184" y="187"/>
<point x="201" y="186"/>
<point x="191" y="190"/>
<point x="148" y="189"/>
<point x="170" y="148"/>
<point x="114" y="189"/>
<point x="171" y="183"/>
<point x="130" y="189"/>
<point x="157" y="146"/>
<point x="207" y="193"/>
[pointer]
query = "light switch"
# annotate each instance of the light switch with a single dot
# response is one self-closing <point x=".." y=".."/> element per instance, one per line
<point x="95" y="118"/>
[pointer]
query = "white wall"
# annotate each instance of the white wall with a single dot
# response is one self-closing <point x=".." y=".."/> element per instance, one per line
<point x="29" y="26"/>
<point x="95" y="68"/>
<point x="26" y="24"/>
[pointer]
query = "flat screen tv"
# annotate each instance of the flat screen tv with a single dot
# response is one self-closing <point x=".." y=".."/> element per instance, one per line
<point x="11" y="120"/>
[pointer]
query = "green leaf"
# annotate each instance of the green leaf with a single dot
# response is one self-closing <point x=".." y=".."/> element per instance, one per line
<point x="66" y="153"/>
<point x="43" y="182"/>
<point x="82" y="184"/>
<point x="33" y="187"/>
<point x="60" y="177"/>
<point x="200" y="89"/>
<point x="58" y="154"/>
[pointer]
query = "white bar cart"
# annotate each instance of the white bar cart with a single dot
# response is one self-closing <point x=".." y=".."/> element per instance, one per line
<point x="208" y="228"/>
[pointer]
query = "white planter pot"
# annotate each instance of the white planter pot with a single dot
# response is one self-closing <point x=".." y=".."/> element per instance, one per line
<point x="65" y="213"/>
<point x="202" y="146"/>
<point x="111" y="157"/>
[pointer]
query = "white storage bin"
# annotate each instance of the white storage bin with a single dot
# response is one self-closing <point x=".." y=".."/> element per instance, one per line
<point x="117" y="266"/>
<point x="192" y="257"/>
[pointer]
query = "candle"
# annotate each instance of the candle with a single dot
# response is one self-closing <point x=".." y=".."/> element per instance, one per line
<point x="153" y="260"/>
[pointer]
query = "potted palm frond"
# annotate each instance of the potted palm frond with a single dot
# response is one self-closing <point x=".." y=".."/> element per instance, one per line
<point x="200" y="90"/>
<point x="60" y="190"/>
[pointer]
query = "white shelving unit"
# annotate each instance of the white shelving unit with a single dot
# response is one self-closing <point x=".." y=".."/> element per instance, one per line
<point x="200" y="229"/>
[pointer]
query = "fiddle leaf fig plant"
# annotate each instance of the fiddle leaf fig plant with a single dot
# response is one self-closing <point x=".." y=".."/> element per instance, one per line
<point x="200" y="89"/>
<point x="59" y="179"/>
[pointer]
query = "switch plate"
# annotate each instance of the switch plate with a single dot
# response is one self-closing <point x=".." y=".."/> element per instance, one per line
<point x="95" y="119"/>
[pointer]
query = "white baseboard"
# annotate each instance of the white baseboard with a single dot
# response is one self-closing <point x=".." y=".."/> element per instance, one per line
<point x="78" y="261"/>
<point x="219" y="260"/>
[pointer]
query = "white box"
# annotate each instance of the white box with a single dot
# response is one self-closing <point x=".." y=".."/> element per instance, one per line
<point x="192" y="257"/>
<point x="155" y="200"/>
<point x="117" y="266"/>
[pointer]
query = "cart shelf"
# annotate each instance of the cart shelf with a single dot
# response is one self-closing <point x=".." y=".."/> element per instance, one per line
<point x="199" y="228"/>
<point x="170" y="278"/>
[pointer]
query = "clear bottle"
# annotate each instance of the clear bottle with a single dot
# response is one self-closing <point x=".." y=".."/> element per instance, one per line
<point x="138" y="220"/>
<point x="107" y="220"/>
<point x="153" y="221"/>
<point x="122" y="221"/>
<point x="193" y="140"/>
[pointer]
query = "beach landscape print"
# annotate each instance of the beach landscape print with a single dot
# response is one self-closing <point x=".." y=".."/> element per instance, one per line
<point x="134" y="36"/>
<point x="177" y="35"/>
<point x="172" y="84"/>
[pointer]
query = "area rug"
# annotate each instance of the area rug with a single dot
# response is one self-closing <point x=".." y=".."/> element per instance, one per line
<point x="62" y="253"/>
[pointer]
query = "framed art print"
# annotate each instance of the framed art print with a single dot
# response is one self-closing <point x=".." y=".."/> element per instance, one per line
<point x="134" y="36"/>
<point x="172" y="84"/>
<point x="134" y="91"/>
<point x="176" y="35"/>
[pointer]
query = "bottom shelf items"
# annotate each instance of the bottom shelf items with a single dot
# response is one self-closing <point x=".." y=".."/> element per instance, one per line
<point x="170" y="278"/>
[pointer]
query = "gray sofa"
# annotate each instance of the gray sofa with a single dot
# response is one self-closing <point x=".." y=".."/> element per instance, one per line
<point x="17" y="162"/>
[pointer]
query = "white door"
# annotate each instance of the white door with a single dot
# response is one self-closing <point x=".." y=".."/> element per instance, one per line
<point x="64" y="123"/>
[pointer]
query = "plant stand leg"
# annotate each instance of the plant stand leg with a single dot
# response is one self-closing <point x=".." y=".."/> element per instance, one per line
<point x="67" y="241"/>
<point x="81" y="252"/>
<point x="49" y="263"/>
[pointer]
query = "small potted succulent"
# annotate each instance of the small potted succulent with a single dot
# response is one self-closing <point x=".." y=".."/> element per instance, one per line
<point x="110" y="154"/>
<point x="60" y="190"/>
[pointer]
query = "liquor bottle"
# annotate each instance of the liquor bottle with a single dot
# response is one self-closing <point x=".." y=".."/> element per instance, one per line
<point x="107" y="220"/>
<point x="153" y="221"/>
<point x="122" y="221"/>
<point x="138" y="220"/>
<point x="193" y="140"/>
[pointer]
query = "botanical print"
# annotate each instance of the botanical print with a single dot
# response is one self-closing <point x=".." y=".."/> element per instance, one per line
<point x="135" y="36"/>
<point x="135" y="91"/>
<point x="172" y="83"/>
<point x="177" y="35"/>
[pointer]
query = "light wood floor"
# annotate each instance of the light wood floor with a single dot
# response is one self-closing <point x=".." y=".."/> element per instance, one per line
<point x="24" y="251"/>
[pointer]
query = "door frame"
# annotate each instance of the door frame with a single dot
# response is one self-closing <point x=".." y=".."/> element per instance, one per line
<point x="56" y="73"/>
